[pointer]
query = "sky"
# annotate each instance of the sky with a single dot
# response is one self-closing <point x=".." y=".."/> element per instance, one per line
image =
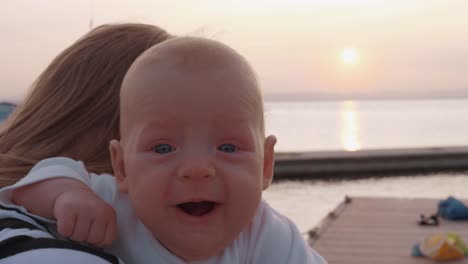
<point x="315" y="49"/>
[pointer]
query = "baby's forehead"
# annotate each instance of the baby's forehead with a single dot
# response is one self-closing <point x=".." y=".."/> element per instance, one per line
<point x="189" y="52"/>
<point x="170" y="62"/>
<point x="178" y="57"/>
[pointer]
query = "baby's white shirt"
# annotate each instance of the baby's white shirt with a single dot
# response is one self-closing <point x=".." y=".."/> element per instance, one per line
<point x="270" y="238"/>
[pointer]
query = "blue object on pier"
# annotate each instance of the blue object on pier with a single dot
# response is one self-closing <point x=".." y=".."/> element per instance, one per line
<point x="416" y="251"/>
<point x="452" y="209"/>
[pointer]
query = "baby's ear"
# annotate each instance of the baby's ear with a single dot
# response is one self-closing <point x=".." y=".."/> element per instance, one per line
<point x="268" y="161"/>
<point x="117" y="157"/>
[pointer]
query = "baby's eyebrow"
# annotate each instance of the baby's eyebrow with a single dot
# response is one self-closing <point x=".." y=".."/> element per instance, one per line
<point x="162" y="124"/>
<point x="226" y="119"/>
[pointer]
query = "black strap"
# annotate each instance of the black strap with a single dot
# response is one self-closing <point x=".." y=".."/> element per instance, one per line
<point x="15" y="223"/>
<point x="22" y="213"/>
<point x="19" y="244"/>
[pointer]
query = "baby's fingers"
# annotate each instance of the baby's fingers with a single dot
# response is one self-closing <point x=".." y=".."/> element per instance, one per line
<point x="97" y="232"/>
<point x="111" y="233"/>
<point x="66" y="224"/>
<point x="82" y="229"/>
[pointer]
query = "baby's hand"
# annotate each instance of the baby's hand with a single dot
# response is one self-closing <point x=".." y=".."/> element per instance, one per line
<point x="83" y="216"/>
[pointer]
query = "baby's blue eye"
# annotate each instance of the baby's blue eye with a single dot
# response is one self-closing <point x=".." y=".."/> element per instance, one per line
<point x="163" y="148"/>
<point x="227" y="148"/>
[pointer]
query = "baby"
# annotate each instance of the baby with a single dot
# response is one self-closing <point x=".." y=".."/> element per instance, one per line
<point x="190" y="167"/>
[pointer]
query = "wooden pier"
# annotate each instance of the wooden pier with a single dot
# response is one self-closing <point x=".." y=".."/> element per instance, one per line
<point x="379" y="231"/>
<point x="364" y="163"/>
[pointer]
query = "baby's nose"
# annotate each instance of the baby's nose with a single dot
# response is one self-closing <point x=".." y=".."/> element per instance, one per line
<point x="196" y="169"/>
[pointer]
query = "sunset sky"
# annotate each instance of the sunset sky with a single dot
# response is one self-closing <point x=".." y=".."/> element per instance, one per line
<point x="326" y="48"/>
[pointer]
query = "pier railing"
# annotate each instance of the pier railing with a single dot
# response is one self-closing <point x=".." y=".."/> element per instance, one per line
<point x="363" y="163"/>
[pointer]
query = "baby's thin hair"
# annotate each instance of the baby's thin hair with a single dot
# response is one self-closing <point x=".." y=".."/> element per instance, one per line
<point x="194" y="54"/>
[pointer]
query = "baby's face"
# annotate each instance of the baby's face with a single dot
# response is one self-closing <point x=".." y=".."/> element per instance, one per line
<point x="195" y="160"/>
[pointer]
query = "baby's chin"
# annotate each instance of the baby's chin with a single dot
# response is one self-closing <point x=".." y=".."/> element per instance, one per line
<point x="197" y="252"/>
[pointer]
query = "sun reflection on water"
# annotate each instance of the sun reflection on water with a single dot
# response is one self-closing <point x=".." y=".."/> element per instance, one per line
<point x="350" y="126"/>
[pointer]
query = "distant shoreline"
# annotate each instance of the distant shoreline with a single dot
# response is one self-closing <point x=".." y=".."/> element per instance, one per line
<point x="306" y="97"/>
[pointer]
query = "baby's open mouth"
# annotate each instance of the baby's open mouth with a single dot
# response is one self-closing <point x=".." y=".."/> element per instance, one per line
<point x="197" y="208"/>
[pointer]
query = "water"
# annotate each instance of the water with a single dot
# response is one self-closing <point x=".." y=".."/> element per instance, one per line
<point x="5" y="110"/>
<point x="311" y="126"/>
<point x="353" y="125"/>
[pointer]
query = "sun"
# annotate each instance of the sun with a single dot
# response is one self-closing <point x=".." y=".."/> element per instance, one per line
<point x="349" y="56"/>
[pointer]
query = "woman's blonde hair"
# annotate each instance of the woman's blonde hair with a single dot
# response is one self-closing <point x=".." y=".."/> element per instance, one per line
<point x="75" y="101"/>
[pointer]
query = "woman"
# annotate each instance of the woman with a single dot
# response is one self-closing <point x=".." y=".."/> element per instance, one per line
<point x="72" y="105"/>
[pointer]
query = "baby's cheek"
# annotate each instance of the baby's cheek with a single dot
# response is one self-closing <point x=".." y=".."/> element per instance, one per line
<point x="246" y="201"/>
